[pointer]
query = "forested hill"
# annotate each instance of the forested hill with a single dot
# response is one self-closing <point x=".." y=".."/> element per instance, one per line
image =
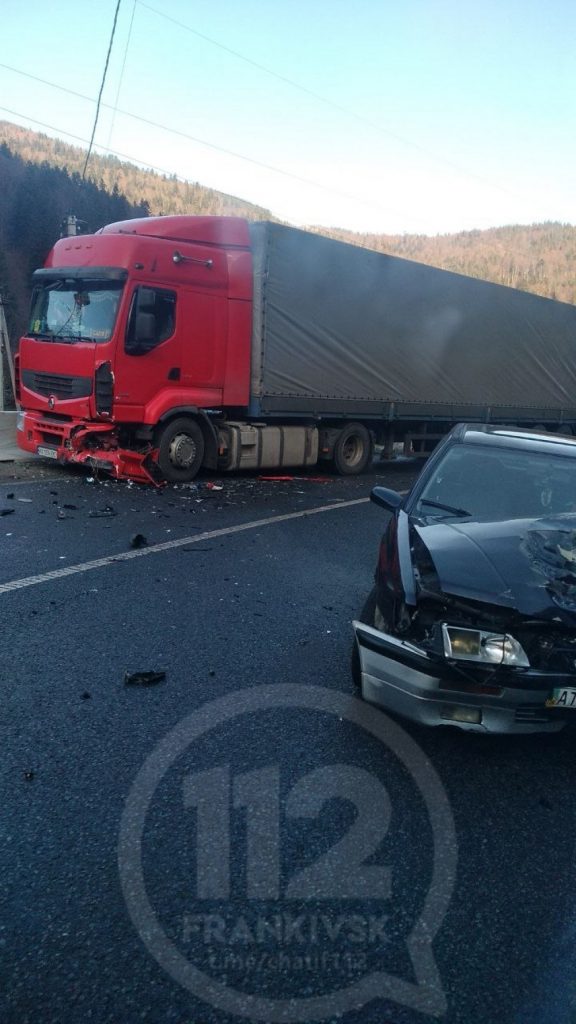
<point x="539" y="258"/>
<point x="40" y="184"/>
<point x="164" y="194"/>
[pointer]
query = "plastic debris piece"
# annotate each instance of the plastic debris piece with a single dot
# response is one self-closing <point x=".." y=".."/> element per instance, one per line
<point x="138" y="541"/>
<point x="6" y="511"/>
<point x="62" y="515"/>
<point x="10" y="497"/>
<point x="213" y="487"/>
<point x="29" y="775"/>
<point x="71" y="507"/>
<point x="101" y="513"/>
<point x="143" y="678"/>
<point x="275" y="478"/>
<point x="27" y="500"/>
<point x="89" y="480"/>
<point x="85" y="695"/>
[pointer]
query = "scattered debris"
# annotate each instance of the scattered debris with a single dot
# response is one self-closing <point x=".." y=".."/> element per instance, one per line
<point x="213" y="487"/>
<point x="89" y="480"/>
<point x="27" y="500"/>
<point x="275" y="478"/>
<point x="85" y="695"/>
<point x="143" y="678"/>
<point x="102" y="513"/>
<point x="6" y="511"/>
<point x="201" y="550"/>
<point x="62" y="515"/>
<point x="71" y="507"/>
<point x="29" y="775"/>
<point x="138" y="541"/>
<point x="212" y="672"/>
<point x="10" y="497"/>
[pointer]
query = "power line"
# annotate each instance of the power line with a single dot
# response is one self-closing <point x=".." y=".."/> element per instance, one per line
<point x="113" y="152"/>
<point x="164" y="170"/>
<point x="101" y="89"/>
<point x="328" y="102"/>
<point x="210" y="145"/>
<point x="121" y="79"/>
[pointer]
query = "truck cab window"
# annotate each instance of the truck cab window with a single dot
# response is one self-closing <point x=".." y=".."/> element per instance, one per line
<point x="152" y="319"/>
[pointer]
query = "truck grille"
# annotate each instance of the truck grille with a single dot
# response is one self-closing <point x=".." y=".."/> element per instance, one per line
<point x="60" y="386"/>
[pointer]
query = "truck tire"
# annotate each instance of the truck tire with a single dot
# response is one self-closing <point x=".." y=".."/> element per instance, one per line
<point x="352" y="450"/>
<point x="180" y="450"/>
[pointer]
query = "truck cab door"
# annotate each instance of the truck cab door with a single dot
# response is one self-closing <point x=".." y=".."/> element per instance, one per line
<point x="150" y="356"/>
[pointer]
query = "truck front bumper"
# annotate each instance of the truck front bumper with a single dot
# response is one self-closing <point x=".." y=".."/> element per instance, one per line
<point x="91" y="444"/>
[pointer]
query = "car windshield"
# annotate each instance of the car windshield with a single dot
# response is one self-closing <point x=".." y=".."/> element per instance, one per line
<point x="73" y="310"/>
<point x="491" y="483"/>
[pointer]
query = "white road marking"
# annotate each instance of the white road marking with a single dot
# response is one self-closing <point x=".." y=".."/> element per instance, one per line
<point x="153" y="549"/>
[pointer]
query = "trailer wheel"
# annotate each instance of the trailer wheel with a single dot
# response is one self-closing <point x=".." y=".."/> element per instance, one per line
<point x="353" y="449"/>
<point x="180" y="450"/>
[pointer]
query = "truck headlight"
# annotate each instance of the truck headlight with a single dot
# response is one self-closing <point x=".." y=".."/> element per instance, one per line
<point x="479" y="646"/>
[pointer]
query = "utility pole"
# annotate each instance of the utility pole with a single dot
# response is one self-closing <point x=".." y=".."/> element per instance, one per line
<point x="5" y="353"/>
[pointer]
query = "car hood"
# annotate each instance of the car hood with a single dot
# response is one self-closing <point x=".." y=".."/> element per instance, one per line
<point x="524" y="564"/>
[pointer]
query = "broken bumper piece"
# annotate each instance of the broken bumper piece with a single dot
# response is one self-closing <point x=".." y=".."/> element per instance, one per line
<point x="93" y="445"/>
<point x="403" y="678"/>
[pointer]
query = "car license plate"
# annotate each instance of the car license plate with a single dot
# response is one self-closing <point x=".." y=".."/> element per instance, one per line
<point x="48" y="453"/>
<point x="562" y="698"/>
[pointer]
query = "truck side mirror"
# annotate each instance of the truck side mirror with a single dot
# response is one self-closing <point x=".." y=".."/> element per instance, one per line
<point x="145" y="329"/>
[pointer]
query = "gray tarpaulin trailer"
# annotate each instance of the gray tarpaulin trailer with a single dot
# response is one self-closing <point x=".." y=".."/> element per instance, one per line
<point x="344" y="332"/>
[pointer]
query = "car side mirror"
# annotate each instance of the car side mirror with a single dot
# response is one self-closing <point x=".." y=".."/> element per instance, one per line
<point x="385" y="498"/>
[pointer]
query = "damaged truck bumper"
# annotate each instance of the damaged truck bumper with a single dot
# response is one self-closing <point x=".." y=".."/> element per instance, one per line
<point x="93" y="445"/>
<point x="402" y="678"/>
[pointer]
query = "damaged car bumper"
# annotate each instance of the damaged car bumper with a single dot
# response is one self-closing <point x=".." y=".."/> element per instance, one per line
<point x="403" y="678"/>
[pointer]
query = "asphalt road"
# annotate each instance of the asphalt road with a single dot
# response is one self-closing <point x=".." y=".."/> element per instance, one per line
<point x="240" y="839"/>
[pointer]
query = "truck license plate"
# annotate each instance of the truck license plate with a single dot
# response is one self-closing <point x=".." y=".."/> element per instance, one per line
<point x="562" y="698"/>
<point x="48" y="453"/>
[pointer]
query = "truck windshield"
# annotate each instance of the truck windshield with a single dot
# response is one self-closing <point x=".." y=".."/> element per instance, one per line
<point x="73" y="310"/>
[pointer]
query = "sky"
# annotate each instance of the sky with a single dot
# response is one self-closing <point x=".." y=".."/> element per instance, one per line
<point x="388" y="116"/>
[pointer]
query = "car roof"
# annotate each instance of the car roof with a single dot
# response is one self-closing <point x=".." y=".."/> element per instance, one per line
<point x="515" y="438"/>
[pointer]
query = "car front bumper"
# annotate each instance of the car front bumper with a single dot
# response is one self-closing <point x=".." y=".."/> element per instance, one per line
<point x="402" y="678"/>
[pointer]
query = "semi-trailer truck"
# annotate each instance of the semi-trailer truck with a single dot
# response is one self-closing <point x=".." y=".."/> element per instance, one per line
<point x="162" y="345"/>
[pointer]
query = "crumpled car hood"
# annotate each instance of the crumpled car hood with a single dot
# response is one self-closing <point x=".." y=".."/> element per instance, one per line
<point x="524" y="564"/>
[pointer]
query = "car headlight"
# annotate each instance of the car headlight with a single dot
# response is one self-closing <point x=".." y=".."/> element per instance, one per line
<point x="489" y="648"/>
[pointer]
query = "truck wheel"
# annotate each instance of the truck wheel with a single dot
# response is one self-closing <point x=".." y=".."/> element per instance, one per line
<point x="180" y="450"/>
<point x="353" y="450"/>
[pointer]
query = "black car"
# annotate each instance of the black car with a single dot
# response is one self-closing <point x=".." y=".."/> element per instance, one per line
<point x="472" y="619"/>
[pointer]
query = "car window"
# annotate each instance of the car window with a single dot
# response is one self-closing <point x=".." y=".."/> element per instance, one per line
<point x="492" y="483"/>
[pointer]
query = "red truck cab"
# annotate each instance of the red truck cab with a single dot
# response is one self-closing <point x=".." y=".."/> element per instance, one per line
<point x="138" y="335"/>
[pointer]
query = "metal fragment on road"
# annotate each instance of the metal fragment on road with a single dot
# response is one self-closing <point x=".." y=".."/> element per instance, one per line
<point x="144" y="678"/>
